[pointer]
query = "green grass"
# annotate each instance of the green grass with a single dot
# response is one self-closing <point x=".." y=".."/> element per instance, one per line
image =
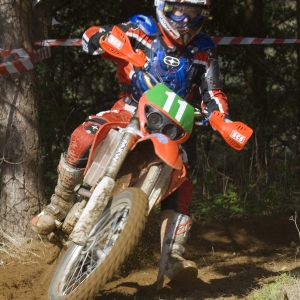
<point x="284" y="287"/>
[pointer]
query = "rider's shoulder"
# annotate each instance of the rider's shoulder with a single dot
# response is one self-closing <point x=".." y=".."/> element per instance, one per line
<point x="204" y="42"/>
<point x="145" y="23"/>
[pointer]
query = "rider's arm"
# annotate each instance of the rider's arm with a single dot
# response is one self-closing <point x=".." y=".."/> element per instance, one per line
<point x="210" y="87"/>
<point x="91" y="37"/>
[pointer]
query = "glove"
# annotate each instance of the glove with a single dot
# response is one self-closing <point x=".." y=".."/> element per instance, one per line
<point x="227" y="119"/>
<point x="104" y="37"/>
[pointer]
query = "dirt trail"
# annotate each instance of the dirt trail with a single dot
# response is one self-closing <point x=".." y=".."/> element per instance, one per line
<point x="233" y="257"/>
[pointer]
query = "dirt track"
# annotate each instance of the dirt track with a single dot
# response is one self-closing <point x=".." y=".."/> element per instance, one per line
<point x="233" y="257"/>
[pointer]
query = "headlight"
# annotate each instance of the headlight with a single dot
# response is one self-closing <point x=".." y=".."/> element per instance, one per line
<point x="170" y="130"/>
<point x="159" y="122"/>
<point x="154" y="120"/>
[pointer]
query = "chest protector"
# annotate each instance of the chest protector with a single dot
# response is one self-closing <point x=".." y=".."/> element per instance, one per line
<point x="174" y="69"/>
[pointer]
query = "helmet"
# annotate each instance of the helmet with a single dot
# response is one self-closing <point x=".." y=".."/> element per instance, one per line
<point x="182" y="20"/>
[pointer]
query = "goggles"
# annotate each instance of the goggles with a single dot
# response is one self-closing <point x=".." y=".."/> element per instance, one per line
<point x="179" y="12"/>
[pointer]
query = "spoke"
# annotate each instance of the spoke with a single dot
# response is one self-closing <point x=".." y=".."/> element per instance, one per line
<point x="99" y="245"/>
<point x="72" y="281"/>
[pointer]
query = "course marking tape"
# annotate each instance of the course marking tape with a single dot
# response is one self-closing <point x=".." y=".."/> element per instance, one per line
<point x="252" y="41"/>
<point x="217" y="41"/>
<point x="27" y="58"/>
<point x="58" y="42"/>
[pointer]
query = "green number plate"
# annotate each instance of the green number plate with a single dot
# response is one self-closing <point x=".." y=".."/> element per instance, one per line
<point x="174" y="105"/>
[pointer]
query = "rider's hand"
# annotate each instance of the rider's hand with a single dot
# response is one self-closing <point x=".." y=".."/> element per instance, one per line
<point x="227" y="118"/>
<point x="104" y="37"/>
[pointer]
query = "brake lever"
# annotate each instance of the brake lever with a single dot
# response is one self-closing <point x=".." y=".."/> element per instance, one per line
<point x="204" y="121"/>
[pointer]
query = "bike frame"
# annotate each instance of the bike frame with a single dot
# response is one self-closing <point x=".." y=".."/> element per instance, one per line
<point x="159" y="177"/>
<point x="158" y="174"/>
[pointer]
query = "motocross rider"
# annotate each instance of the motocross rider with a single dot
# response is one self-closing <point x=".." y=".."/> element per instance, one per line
<point x="184" y="59"/>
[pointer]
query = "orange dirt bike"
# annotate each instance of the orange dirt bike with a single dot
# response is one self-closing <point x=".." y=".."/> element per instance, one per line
<point x="131" y="168"/>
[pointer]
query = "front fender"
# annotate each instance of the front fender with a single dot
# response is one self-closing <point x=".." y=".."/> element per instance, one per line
<point x="165" y="149"/>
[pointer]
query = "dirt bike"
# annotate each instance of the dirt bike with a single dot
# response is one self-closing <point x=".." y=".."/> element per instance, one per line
<point x="131" y="168"/>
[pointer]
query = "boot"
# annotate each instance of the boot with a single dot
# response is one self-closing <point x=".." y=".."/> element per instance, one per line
<point x="61" y="201"/>
<point x="174" y="270"/>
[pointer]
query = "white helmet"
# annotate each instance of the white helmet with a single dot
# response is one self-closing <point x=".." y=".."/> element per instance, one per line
<point x="182" y="20"/>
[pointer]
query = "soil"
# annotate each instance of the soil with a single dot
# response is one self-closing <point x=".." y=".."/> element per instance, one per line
<point x="233" y="257"/>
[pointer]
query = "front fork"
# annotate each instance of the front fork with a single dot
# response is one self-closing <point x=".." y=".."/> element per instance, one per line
<point x="101" y="193"/>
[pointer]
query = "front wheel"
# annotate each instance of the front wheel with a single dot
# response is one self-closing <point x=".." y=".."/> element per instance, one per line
<point x="84" y="270"/>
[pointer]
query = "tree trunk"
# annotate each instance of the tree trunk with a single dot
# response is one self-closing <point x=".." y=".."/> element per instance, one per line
<point x="21" y="188"/>
<point x="298" y="69"/>
<point x="255" y="78"/>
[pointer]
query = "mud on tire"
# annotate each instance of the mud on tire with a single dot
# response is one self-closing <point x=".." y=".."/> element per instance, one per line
<point x="84" y="270"/>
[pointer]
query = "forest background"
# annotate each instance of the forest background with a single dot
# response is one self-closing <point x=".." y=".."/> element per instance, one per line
<point x="261" y="82"/>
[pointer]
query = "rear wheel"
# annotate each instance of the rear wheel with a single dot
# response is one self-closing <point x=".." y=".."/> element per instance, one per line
<point x="84" y="270"/>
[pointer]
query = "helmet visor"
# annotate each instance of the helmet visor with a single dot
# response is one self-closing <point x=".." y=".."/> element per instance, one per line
<point x="180" y="12"/>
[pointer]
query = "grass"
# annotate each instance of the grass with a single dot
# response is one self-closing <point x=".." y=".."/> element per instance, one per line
<point x="285" y="287"/>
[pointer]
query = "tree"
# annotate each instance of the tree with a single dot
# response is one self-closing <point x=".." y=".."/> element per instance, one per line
<point x="256" y="79"/>
<point x="21" y="193"/>
<point x="261" y="84"/>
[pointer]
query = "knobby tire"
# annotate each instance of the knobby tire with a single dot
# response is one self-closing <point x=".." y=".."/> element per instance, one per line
<point x="123" y="246"/>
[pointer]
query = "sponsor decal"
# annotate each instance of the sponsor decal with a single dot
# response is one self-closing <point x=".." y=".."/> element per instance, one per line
<point x="120" y="149"/>
<point x="237" y="136"/>
<point x="162" y="139"/>
<point x="92" y="129"/>
<point x="183" y="227"/>
<point x="171" y="61"/>
<point x="115" y="42"/>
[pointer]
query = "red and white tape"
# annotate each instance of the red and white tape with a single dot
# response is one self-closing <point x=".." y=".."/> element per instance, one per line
<point x="252" y="41"/>
<point x="26" y="58"/>
<point x="217" y="40"/>
<point x="16" y="52"/>
<point x="24" y="61"/>
<point x="58" y="42"/>
<point x="16" y="66"/>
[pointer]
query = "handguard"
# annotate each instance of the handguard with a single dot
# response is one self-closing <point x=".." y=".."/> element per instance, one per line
<point x="236" y="134"/>
<point x="118" y="45"/>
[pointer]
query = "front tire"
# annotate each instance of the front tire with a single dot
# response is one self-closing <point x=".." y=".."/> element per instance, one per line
<point x="84" y="270"/>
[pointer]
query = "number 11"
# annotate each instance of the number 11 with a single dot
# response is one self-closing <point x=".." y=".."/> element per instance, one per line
<point x="169" y="103"/>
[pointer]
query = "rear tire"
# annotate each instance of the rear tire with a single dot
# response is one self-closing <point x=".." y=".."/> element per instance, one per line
<point x="84" y="270"/>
